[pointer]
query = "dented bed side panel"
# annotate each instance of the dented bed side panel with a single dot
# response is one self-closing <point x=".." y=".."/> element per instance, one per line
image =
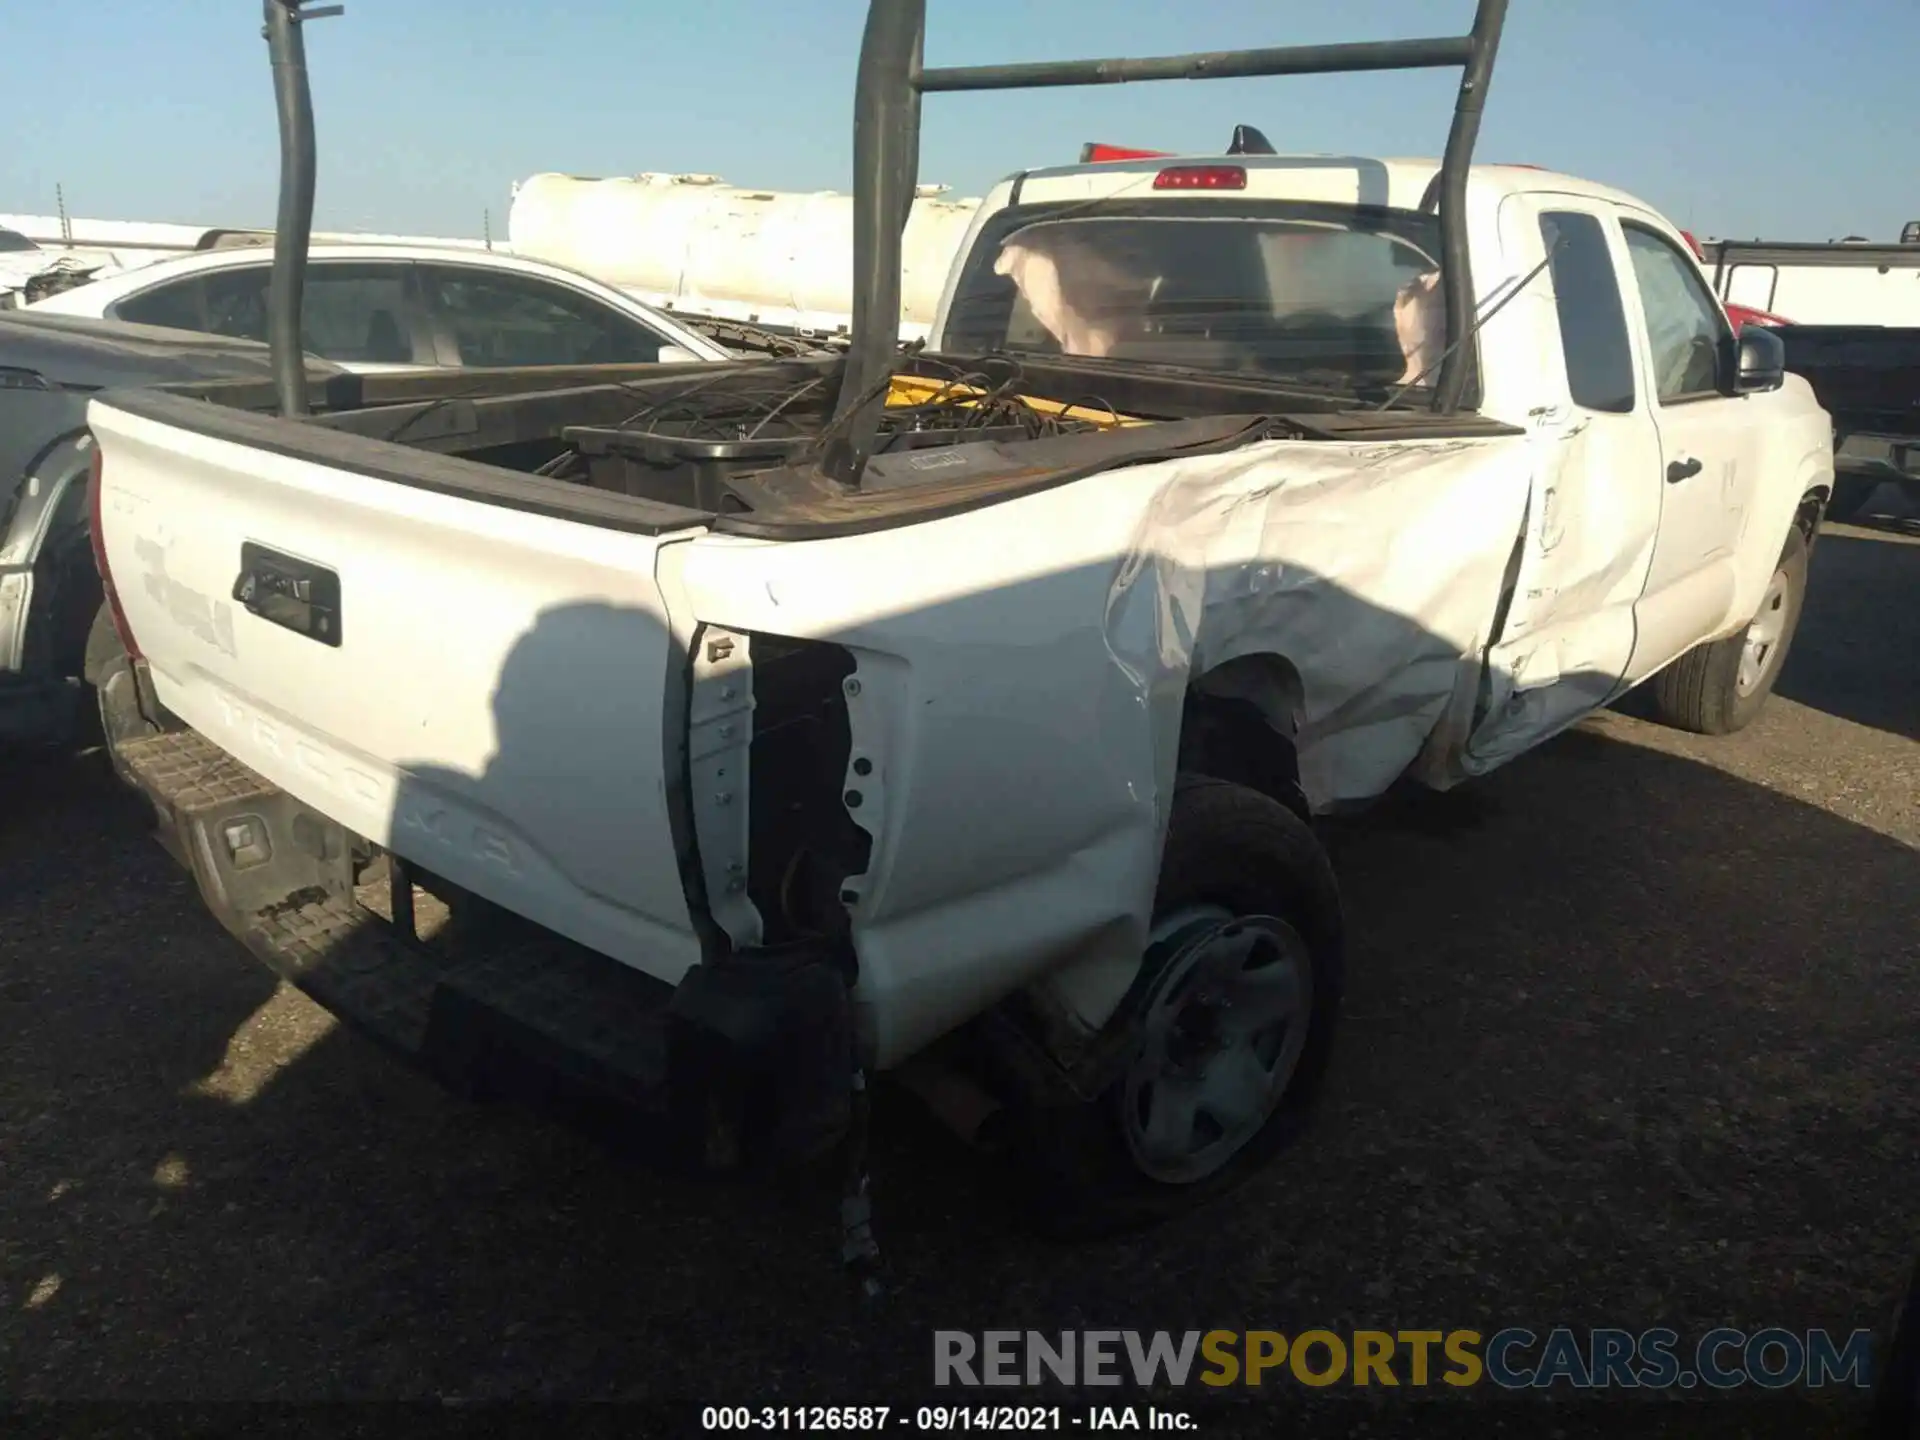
<point x="1021" y="671"/>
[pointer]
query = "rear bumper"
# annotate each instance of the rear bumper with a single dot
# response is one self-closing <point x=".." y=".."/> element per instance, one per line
<point x="749" y="1058"/>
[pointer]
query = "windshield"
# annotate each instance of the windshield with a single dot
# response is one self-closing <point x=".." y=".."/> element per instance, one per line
<point x="12" y="241"/>
<point x="1334" y="295"/>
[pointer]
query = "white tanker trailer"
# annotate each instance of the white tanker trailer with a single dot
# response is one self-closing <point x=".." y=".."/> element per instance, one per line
<point x="699" y="247"/>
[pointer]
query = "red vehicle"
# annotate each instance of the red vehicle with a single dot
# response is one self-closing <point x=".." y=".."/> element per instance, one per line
<point x="1246" y="141"/>
<point x="1747" y="315"/>
<point x="1095" y="154"/>
<point x="1738" y="314"/>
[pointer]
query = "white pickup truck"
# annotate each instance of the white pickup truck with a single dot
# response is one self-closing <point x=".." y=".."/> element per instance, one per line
<point x="994" y="764"/>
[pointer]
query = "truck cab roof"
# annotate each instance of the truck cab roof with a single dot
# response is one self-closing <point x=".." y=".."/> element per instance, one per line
<point x="1398" y="183"/>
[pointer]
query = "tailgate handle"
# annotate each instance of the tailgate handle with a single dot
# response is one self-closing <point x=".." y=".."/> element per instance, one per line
<point x="296" y="595"/>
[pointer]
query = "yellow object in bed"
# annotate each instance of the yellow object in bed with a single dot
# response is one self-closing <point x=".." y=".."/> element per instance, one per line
<point x="919" y="389"/>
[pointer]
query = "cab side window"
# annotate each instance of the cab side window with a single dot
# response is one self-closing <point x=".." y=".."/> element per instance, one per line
<point x="178" y="306"/>
<point x="1593" y="321"/>
<point x="358" y="313"/>
<point x="1687" y="331"/>
<point x="501" y="319"/>
<point x="351" y="313"/>
<point x="237" y="303"/>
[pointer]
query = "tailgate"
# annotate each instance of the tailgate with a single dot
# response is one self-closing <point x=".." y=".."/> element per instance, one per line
<point x="481" y="689"/>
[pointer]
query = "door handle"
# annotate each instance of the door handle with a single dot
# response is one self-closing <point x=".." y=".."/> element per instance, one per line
<point x="1682" y="469"/>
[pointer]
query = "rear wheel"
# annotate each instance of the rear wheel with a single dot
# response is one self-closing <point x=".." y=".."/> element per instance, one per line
<point x="1720" y="687"/>
<point x="103" y="645"/>
<point x="109" y="672"/>
<point x="1226" y="1032"/>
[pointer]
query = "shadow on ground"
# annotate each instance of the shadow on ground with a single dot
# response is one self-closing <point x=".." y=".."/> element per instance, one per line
<point x="1856" y="655"/>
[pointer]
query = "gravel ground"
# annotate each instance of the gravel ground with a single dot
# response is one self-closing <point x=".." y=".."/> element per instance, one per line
<point x="1631" y="1041"/>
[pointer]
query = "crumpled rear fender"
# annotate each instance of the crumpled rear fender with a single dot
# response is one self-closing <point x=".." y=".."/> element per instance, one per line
<point x="1020" y="672"/>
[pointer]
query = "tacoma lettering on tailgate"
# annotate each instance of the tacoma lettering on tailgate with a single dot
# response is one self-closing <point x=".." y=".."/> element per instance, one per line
<point x="199" y="615"/>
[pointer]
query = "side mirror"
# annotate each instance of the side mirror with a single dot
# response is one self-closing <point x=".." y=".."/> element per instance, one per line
<point x="675" y="355"/>
<point x="1760" y="360"/>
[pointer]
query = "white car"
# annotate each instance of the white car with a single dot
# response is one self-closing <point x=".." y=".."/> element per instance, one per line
<point x="375" y="308"/>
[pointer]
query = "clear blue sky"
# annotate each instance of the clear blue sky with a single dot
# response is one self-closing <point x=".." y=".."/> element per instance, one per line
<point x="1789" y="119"/>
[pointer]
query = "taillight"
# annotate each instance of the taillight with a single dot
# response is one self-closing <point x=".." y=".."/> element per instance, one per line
<point x="1201" y="177"/>
<point x="99" y="539"/>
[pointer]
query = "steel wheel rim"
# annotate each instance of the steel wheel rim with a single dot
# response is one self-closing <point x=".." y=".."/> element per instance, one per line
<point x="1761" y="650"/>
<point x="1221" y="1037"/>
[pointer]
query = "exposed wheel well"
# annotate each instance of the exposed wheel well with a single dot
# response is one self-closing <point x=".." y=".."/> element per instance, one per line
<point x="66" y="594"/>
<point x="1812" y="505"/>
<point x="1238" y="723"/>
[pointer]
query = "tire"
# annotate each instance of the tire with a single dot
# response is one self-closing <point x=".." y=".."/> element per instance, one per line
<point x="116" y="714"/>
<point x="103" y="645"/>
<point x="1240" y="871"/>
<point x="1850" y="496"/>
<point x="1709" y="690"/>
